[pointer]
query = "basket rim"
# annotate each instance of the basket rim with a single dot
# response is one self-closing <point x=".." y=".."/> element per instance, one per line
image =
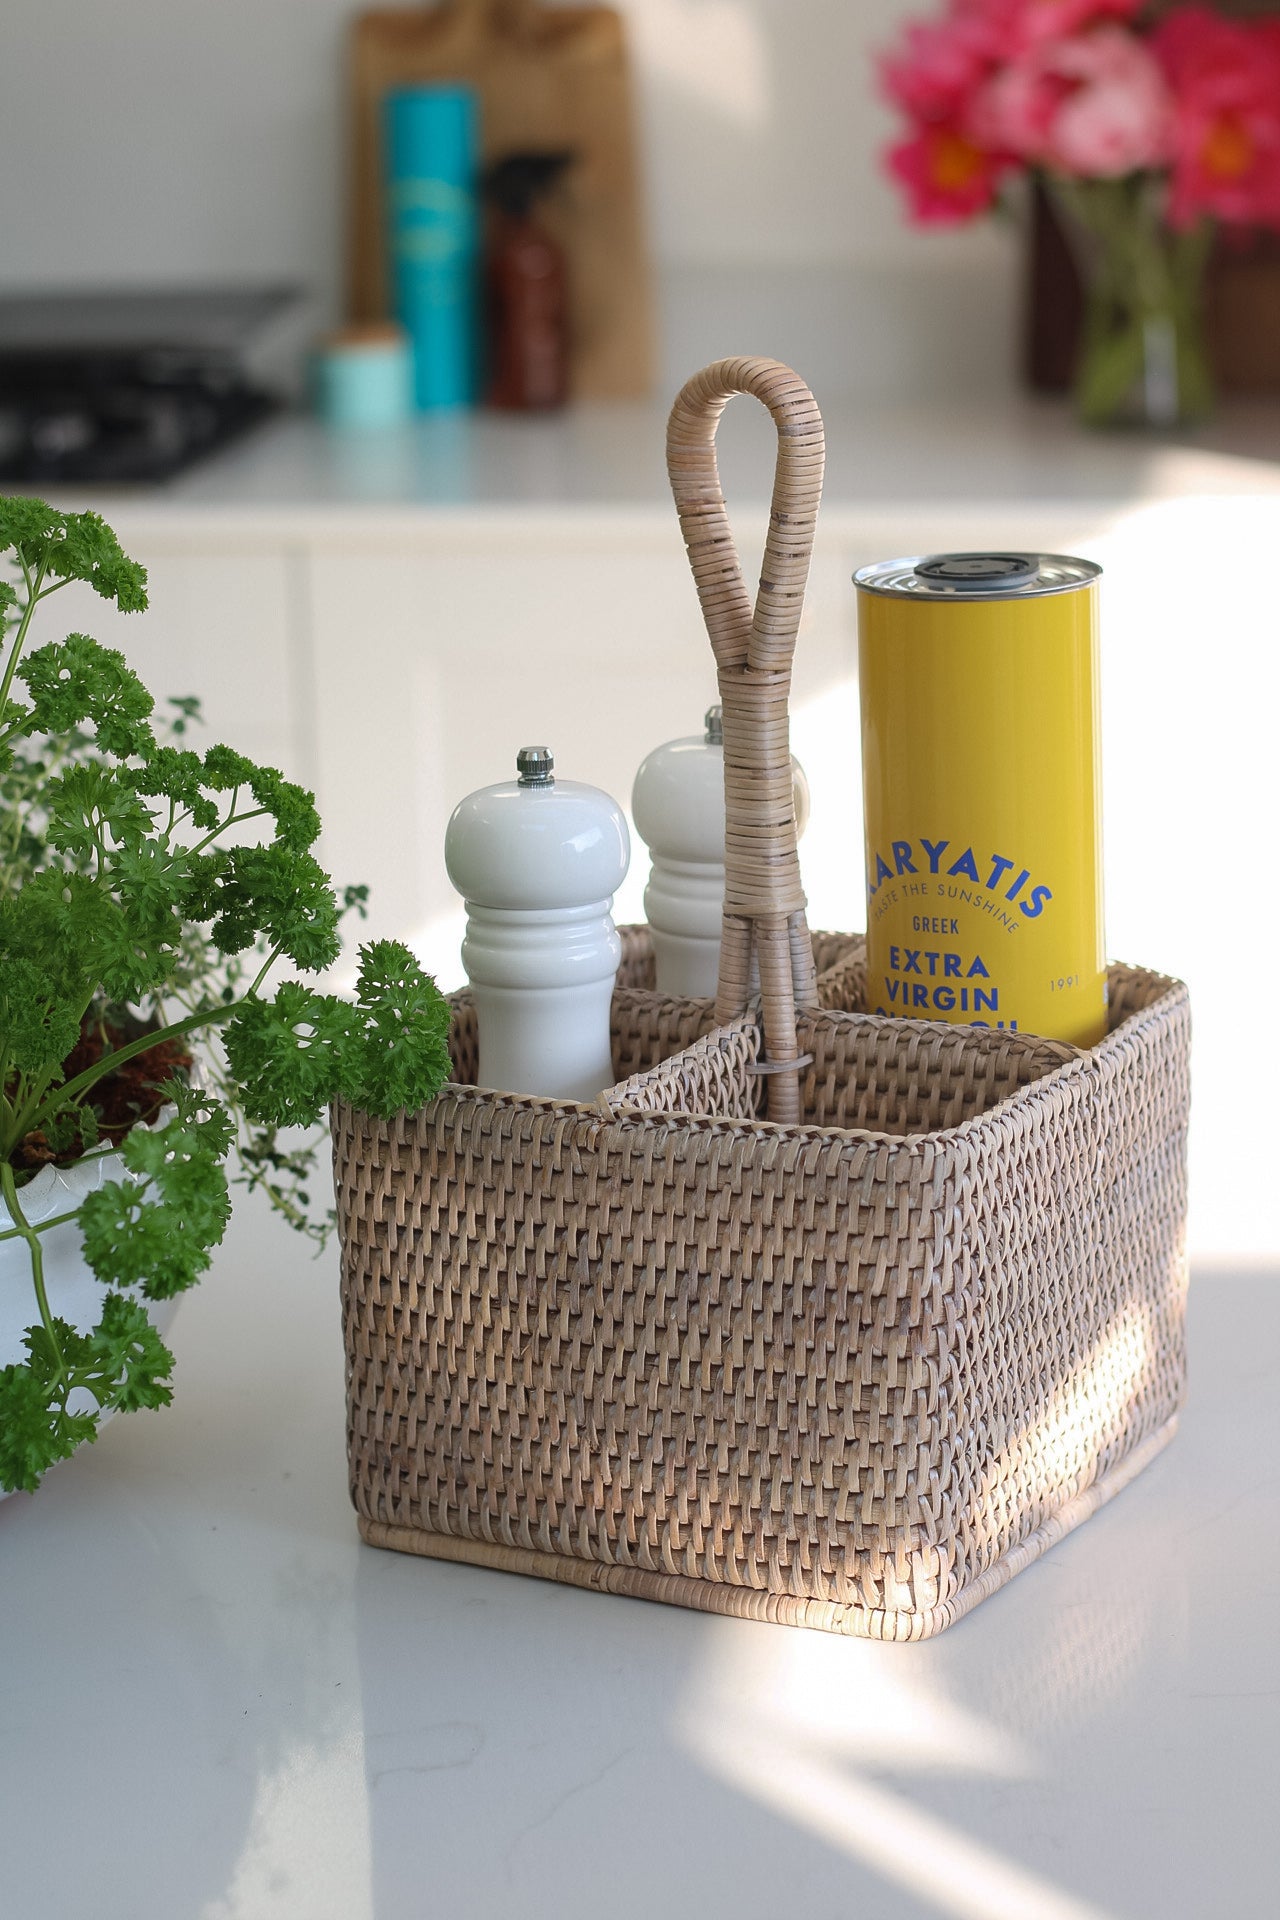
<point x="1050" y="1085"/>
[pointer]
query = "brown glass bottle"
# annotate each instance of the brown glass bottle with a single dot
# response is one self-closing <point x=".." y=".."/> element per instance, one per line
<point x="527" y="286"/>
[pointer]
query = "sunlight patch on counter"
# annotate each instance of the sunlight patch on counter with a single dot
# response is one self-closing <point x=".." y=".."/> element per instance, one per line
<point x="308" y="1845"/>
<point x="804" y="1727"/>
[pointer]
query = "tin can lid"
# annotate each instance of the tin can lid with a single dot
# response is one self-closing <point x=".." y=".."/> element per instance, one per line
<point x="978" y="576"/>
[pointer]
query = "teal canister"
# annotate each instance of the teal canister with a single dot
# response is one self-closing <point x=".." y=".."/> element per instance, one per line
<point x="430" y="144"/>
<point x="364" y="376"/>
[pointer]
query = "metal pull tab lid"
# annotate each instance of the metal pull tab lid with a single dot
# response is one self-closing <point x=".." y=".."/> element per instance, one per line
<point x="979" y="572"/>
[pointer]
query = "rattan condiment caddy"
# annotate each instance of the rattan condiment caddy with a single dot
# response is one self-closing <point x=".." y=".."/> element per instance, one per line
<point x="816" y="1317"/>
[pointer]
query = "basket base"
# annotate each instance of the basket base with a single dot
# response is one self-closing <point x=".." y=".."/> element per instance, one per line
<point x="748" y="1603"/>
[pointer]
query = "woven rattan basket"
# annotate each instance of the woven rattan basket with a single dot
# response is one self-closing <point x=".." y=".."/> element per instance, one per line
<point x="816" y="1316"/>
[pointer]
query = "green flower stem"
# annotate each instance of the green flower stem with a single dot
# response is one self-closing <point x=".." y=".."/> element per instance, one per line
<point x="25" y="1231"/>
<point x="1142" y="356"/>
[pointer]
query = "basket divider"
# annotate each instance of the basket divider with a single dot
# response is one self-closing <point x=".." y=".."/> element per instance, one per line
<point x="764" y="909"/>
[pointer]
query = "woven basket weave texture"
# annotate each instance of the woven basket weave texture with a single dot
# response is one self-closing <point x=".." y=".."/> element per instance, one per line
<point x="848" y="1374"/>
<point x="816" y="1316"/>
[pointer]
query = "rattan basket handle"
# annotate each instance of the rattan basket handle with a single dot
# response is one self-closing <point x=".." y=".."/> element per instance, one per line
<point x="764" y="904"/>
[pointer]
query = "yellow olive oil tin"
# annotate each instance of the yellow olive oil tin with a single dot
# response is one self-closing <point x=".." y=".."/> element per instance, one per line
<point x="982" y="790"/>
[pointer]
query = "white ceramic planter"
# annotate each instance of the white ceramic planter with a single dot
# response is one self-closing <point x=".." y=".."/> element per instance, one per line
<point x="74" y="1294"/>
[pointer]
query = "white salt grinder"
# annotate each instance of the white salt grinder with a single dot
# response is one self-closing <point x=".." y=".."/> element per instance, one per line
<point x="677" y="803"/>
<point x="538" y="861"/>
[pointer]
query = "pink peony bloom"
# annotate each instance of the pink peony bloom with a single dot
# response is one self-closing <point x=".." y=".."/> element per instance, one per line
<point x="1093" y="106"/>
<point x="1225" y="78"/>
<point x="1029" y="23"/>
<point x="1117" y="114"/>
<point x="1014" y="110"/>
<point x="933" y="72"/>
<point x="948" y="179"/>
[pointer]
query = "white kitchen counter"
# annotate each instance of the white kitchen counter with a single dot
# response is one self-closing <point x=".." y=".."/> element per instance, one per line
<point x="219" y="1705"/>
<point x="611" y="457"/>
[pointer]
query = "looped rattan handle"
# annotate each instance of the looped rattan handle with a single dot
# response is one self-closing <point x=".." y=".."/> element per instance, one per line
<point x="764" y="904"/>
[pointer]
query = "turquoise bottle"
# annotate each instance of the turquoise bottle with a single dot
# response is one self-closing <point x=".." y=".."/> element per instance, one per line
<point x="433" y="236"/>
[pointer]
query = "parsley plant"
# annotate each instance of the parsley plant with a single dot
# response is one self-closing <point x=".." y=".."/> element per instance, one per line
<point x="144" y="880"/>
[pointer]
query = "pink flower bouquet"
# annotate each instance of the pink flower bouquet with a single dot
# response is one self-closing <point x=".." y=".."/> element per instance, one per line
<point x="1146" y="136"/>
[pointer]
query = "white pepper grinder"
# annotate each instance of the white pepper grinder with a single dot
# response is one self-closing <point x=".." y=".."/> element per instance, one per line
<point x="538" y="861"/>
<point x="677" y="803"/>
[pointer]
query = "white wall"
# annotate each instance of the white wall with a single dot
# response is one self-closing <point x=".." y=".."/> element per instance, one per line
<point x="170" y="140"/>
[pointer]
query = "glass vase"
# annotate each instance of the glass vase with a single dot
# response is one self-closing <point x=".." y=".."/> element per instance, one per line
<point x="1142" y="359"/>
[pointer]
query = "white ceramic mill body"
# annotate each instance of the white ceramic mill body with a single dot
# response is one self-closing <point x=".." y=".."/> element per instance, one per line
<point x="677" y="803"/>
<point x="538" y="861"/>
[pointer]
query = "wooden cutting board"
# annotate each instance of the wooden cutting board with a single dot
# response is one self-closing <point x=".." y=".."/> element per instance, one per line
<point x="545" y="79"/>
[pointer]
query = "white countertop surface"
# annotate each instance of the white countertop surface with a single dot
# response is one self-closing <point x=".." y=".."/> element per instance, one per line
<point x="219" y="1705"/>
<point x="610" y="458"/>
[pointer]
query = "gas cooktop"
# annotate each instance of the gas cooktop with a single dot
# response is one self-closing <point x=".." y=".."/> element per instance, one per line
<point x="129" y="385"/>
